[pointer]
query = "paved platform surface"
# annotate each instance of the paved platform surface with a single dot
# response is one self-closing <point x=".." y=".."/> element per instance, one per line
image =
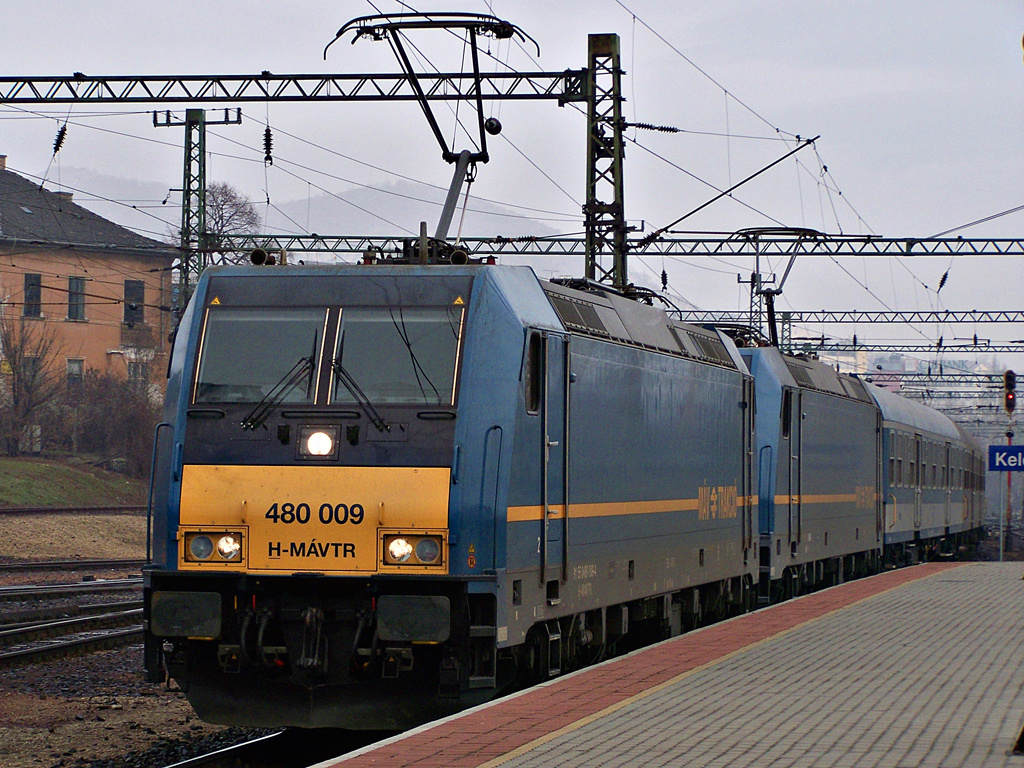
<point x="923" y="666"/>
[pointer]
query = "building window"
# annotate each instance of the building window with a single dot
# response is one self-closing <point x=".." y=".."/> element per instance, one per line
<point x="134" y="302"/>
<point x="76" y="298"/>
<point x="29" y="369"/>
<point x="138" y="374"/>
<point x="33" y="295"/>
<point x="76" y="370"/>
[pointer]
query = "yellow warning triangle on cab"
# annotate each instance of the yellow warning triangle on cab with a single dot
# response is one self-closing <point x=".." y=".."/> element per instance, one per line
<point x="215" y="301"/>
<point x="458" y="301"/>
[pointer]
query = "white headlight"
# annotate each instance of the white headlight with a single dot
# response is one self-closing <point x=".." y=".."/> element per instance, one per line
<point x="319" y="444"/>
<point x="229" y="547"/>
<point x="400" y="550"/>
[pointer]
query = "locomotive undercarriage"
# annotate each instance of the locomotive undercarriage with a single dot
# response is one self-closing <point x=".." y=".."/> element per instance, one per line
<point x="807" y="577"/>
<point x="299" y="651"/>
<point x="575" y="641"/>
<point x="949" y="546"/>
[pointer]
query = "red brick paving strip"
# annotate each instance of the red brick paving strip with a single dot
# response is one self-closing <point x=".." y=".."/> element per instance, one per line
<point x="489" y="733"/>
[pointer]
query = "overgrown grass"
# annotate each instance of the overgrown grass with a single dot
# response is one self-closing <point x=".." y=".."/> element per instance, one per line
<point x="42" y="483"/>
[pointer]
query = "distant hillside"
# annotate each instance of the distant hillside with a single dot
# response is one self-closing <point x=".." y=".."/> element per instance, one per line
<point x="396" y="209"/>
<point x="393" y="210"/>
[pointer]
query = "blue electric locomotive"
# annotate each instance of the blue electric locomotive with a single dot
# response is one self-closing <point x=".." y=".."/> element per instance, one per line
<point x="386" y="493"/>
<point x="818" y="475"/>
<point x="852" y="477"/>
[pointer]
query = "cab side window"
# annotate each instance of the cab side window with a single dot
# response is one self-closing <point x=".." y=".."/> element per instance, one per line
<point x="534" y="371"/>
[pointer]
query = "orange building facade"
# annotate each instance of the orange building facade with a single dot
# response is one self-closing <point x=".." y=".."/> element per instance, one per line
<point x="100" y="291"/>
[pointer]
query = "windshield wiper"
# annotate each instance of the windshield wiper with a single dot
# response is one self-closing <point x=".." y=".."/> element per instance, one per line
<point x="417" y="367"/>
<point x="359" y="396"/>
<point x="302" y="369"/>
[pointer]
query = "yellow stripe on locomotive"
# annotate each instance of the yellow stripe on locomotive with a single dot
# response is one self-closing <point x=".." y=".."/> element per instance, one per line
<point x="339" y="520"/>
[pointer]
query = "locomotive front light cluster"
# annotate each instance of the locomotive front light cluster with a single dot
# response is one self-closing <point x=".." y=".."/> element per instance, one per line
<point x="413" y="550"/>
<point x="318" y="442"/>
<point x="213" y="547"/>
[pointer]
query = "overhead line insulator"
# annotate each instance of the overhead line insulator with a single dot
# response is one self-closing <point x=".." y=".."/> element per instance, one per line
<point x="62" y="133"/>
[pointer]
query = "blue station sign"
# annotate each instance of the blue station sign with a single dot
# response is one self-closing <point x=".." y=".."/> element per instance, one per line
<point x="1006" y="458"/>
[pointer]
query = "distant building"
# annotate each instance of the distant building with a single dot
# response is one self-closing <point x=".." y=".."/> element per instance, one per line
<point x="101" y="288"/>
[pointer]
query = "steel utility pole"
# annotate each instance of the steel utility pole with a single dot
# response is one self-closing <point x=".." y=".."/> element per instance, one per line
<point x="604" y="212"/>
<point x="194" y="238"/>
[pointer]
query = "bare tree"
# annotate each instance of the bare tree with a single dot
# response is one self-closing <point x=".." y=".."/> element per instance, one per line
<point x="229" y="212"/>
<point x="118" y="422"/>
<point x="29" y="379"/>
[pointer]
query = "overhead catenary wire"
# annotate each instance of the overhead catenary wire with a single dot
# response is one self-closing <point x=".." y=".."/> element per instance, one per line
<point x="213" y="153"/>
<point x="658" y="232"/>
<point x="824" y="175"/>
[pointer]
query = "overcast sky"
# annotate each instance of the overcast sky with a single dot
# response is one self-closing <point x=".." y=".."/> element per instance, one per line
<point x="919" y="105"/>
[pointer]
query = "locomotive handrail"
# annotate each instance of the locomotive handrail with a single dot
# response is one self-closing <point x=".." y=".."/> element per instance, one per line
<point x="895" y="513"/>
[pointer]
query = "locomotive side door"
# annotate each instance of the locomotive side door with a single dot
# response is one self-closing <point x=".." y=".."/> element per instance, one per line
<point x="746" y="481"/>
<point x="792" y="430"/>
<point x="554" y="456"/>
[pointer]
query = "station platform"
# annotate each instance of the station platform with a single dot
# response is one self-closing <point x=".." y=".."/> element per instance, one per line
<point x="922" y="666"/>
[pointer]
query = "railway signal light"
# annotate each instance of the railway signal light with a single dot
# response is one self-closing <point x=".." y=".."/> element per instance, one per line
<point x="1009" y="391"/>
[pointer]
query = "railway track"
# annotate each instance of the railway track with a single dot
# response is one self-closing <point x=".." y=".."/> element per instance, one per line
<point x="29" y="616"/>
<point x="115" y="616"/>
<point x="33" y="592"/>
<point x="290" y="748"/>
<point x="51" y="621"/>
<point x="68" y="565"/>
<point x="114" y="510"/>
<point x="62" y="649"/>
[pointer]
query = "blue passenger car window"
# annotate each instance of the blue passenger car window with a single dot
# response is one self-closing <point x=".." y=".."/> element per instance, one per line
<point x="398" y="355"/>
<point x="246" y="353"/>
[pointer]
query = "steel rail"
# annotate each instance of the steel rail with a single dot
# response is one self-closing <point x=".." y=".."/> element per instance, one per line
<point x="112" y="510"/>
<point x="232" y="756"/>
<point x="68" y="565"/>
<point x="79" y="646"/>
<point x="23" y="619"/>
<point x="290" y="748"/>
<point x="44" y="629"/>
<point x="47" y="591"/>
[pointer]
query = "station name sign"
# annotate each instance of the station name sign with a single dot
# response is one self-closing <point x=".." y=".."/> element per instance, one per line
<point x="1006" y="458"/>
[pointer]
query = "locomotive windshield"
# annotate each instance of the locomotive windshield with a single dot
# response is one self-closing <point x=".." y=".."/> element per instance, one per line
<point x="399" y="355"/>
<point x="246" y="353"/>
